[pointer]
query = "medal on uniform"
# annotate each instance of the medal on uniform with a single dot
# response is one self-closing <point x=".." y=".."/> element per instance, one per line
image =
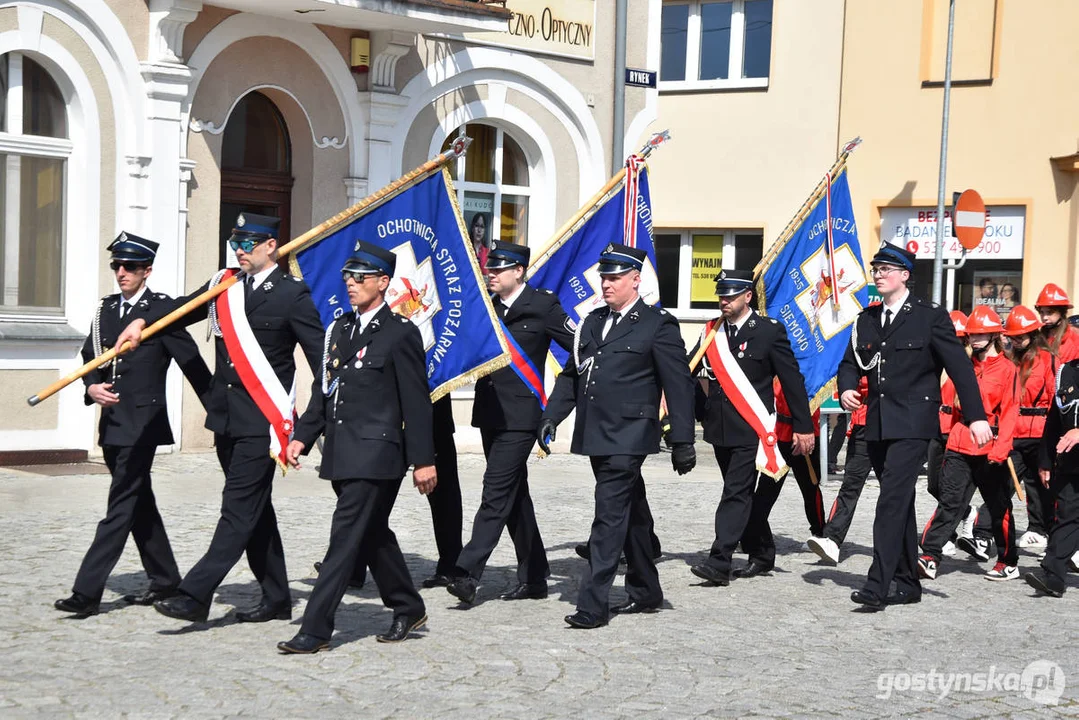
<point x="359" y="357"/>
<point x="741" y="350"/>
<point x="336" y="363"/>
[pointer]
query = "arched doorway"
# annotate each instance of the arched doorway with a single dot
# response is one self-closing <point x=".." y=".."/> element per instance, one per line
<point x="256" y="168"/>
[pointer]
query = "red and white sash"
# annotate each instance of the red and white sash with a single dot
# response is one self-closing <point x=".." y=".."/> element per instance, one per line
<point x="255" y="371"/>
<point x="740" y="391"/>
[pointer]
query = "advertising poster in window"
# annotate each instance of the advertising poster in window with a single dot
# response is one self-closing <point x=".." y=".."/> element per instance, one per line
<point x="707" y="262"/>
<point x="998" y="290"/>
<point x="477" y="209"/>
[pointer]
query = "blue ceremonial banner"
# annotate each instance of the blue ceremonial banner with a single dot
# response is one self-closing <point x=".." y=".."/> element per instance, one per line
<point x="437" y="284"/>
<point x="815" y="284"/>
<point x="570" y="270"/>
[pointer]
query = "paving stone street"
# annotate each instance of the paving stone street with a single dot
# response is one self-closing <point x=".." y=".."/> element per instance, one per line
<point x="789" y="645"/>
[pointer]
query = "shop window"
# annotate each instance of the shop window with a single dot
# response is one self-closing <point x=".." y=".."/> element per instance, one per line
<point x="34" y="152"/>
<point x="715" y="45"/>
<point x="492" y="185"/>
<point x="688" y="260"/>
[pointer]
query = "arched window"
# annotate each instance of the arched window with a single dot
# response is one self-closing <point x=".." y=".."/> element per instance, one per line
<point x="34" y="149"/>
<point x="492" y="175"/>
<point x="256" y="168"/>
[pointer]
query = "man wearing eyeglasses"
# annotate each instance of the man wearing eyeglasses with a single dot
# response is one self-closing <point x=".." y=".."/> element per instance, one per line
<point x="278" y="310"/>
<point x="901" y="346"/>
<point x="371" y="402"/>
<point x="134" y="421"/>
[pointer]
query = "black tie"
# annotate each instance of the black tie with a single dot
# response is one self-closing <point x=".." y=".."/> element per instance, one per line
<point x="500" y="308"/>
<point x="732" y="332"/>
<point x="614" y="321"/>
<point x="887" y="319"/>
<point x="249" y="287"/>
<point x="125" y="309"/>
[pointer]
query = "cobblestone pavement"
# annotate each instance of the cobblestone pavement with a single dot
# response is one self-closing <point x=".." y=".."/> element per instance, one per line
<point x="788" y="645"/>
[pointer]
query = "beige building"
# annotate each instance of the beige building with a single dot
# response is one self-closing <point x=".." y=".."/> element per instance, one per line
<point x="167" y="118"/>
<point x="760" y="96"/>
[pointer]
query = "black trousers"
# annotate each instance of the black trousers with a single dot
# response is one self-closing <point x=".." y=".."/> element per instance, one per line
<point x="445" y="500"/>
<point x="835" y="439"/>
<point x="1064" y="529"/>
<point x="506" y="504"/>
<point x="958" y="476"/>
<point x="934" y="462"/>
<point x="132" y="510"/>
<point x="855" y="471"/>
<point x="248" y="524"/>
<point x="620" y="523"/>
<point x="1039" y="499"/>
<point x="360" y="534"/>
<point x="897" y="464"/>
<point x="735" y="516"/>
<point x="812" y="499"/>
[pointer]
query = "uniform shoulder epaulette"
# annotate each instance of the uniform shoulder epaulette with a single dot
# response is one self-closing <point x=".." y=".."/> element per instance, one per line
<point x="293" y="278"/>
<point x="160" y="296"/>
<point x="600" y="311"/>
<point x="772" y="320"/>
<point x="402" y="318"/>
<point x="545" y="291"/>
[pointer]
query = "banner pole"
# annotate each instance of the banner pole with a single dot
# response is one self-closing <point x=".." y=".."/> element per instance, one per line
<point x="459" y="148"/>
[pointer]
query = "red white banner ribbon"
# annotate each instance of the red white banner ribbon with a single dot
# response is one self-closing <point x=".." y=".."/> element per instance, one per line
<point x="740" y="392"/>
<point x="629" y="206"/>
<point x="256" y="373"/>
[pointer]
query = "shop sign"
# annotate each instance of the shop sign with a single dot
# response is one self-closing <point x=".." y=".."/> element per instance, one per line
<point x="552" y="27"/>
<point x="916" y="229"/>
<point x="707" y="262"/>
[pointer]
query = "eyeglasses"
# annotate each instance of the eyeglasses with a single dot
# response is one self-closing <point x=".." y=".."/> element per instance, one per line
<point x="884" y="270"/>
<point x="246" y="245"/>
<point x="357" y="277"/>
<point x="128" y="266"/>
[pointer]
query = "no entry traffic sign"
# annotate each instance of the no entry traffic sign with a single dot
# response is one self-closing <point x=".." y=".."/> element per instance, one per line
<point x="969" y="219"/>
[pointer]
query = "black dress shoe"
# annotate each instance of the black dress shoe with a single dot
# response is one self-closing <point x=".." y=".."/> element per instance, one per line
<point x="585" y="621"/>
<point x="707" y="572"/>
<point x="150" y="596"/>
<point x="582" y="551"/>
<point x="464" y="589"/>
<point x="400" y="628"/>
<point x="265" y="613"/>
<point x="904" y="597"/>
<point x="631" y="607"/>
<point x="1040" y="581"/>
<point x="303" y="645"/>
<point x="183" y="607"/>
<point x="437" y="580"/>
<point x="867" y="599"/>
<point x="78" y="605"/>
<point x="526" y="591"/>
<point x="753" y="569"/>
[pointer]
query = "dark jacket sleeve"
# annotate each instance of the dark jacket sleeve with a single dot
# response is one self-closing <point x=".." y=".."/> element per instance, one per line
<point x="307" y="327"/>
<point x="849" y="374"/>
<point x="313" y="421"/>
<point x="953" y="357"/>
<point x="557" y="324"/>
<point x="182" y="348"/>
<point x="564" y="396"/>
<point x="94" y="376"/>
<point x="669" y="357"/>
<point x="409" y="365"/>
<point x="792" y="382"/>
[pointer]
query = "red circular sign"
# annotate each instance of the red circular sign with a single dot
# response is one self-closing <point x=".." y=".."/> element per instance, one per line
<point x="969" y="219"/>
<point x="912" y="246"/>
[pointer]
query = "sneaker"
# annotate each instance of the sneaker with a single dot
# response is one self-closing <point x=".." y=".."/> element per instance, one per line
<point x="948" y="549"/>
<point x="1001" y="571"/>
<point x="1073" y="564"/>
<point x="965" y="529"/>
<point x="825" y="548"/>
<point x="1031" y="539"/>
<point x="927" y="567"/>
<point x="978" y="548"/>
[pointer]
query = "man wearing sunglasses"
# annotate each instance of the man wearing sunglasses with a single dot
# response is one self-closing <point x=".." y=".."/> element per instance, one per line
<point x="371" y="402"/>
<point x="134" y="421"/>
<point x="281" y="315"/>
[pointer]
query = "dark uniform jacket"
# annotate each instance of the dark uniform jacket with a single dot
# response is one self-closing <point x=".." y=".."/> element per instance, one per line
<point x="904" y="387"/>
<point x="281" y="314"/>
<point x="503" y="401"/>
<point x="141" y="416"/>
<point x="1063" y="416"/>
<point x="371" y="401"/>
<point x="616" y="387"/>
<point x="763" y="351"/>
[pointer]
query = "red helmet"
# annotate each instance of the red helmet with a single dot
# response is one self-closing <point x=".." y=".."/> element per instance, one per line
<point x="1021" y="320"/>
<point x="984" y="320"/>
<point x="960" y="322"/>
<point x="1052" y="295"/>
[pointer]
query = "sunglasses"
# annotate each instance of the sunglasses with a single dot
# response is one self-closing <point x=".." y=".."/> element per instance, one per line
<point x="128" y="266"/>
<point x="357" y="277"/>
<point x="246" y="245"/>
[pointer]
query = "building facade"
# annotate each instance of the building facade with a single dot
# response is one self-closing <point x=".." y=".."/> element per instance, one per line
<point x="167" y="118"/>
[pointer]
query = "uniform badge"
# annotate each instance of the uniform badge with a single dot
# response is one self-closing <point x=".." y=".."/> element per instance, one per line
<point x="375" y="323"/>
<point x="336" y="363"/>
<point x="144" y="303"/>
<point x="268" y="285"/>
<point x="634" y="316"/>
<point x="609" y="248"/>
<point x="752" y="323"/>
<point x="241" y="221"/>
<point x="743" y="346"/>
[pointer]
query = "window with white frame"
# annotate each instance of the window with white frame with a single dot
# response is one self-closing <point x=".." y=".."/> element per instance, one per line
<point x="687" y="262"/>
<point x="492" y="185"/>
<point x="34" y="149"/>
<point x="715" y="45"/>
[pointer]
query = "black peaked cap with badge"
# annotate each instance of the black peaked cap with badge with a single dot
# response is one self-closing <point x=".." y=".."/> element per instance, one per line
<point x="256" y="226"/>
<point x="617" y="259"/>
<point x="506" y="254"/>
<point x="890" y="254"/>
<point x="733" y="282"/>
<point x="370" y="259"/>
<point x="132" y="248"/>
